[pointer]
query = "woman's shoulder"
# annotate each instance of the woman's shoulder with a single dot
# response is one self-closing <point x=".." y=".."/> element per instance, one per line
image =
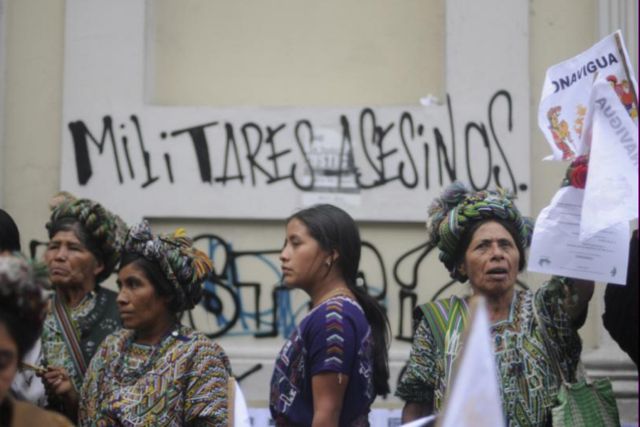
<point x="199" y="339"/>
<point x="114" y="339"/>
<point x="441" y="308"/>
<point x="338" y="308"/>
<point x="201" y="350"/>
<point x="198" y="342"/>
<point x="339" y="314"/>
<point x="450" y="301"/>
<point x="110" y="347"/>
<point x="27" y="414"/>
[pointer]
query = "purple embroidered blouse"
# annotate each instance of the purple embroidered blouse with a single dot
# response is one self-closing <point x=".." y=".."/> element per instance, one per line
<point x="334" y="337"/>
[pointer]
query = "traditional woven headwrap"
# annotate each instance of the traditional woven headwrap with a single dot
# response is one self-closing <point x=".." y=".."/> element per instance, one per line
<point x="183" y="265"/>
<point x="21" y="286"/>
<point x="457" y="209"/>
<point x="106" y="230"/>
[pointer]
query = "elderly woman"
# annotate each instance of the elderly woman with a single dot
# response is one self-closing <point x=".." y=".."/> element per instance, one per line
<point x="84" y="247"/>
<point x="157" y="372"/>
<point x="22" y="310"/>
<point x="482" y="238"/>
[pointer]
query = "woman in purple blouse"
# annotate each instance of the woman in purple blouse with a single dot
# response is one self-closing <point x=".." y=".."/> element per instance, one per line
<point x="334" y="364"/>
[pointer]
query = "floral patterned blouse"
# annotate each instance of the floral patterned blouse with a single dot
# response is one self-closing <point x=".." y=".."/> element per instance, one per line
<point x="528" y="382"/>
<point x="180" y="381"/>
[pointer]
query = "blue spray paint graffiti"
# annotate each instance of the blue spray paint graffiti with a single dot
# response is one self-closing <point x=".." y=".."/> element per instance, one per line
<point x="229" y="311"/>
<point x="233" y="314"/>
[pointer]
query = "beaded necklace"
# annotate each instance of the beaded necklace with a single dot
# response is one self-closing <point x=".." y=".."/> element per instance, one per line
<point x="121" y="370"/>
<point x="341" y="291"/>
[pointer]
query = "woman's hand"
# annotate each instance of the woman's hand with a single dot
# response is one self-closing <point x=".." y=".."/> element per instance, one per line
<point x="58" y="385"/>
<point x="57" y="382"/>
<point x="583" y="294"/>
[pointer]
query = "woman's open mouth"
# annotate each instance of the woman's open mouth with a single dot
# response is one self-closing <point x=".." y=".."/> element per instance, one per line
<point x="498" y="273"/>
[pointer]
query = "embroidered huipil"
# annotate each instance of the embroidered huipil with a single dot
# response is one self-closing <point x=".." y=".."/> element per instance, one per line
<point x="334" y="337"/>
<point x="95" y="317"/>
<point x="528" y="383"/>
<point x="180" y="381"/>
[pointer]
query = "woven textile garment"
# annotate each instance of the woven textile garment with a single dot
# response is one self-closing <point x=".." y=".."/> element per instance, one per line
<point x="527" y="380"/>
<point x="334" y="337"/>
<point x="180" y="381"/>
<point x="94" y="318"/>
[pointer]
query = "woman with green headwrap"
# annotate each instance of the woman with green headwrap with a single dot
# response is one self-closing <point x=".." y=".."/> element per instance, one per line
<point x="155" y="371"/>
<point x="83" y="249"/>
<point x="482" y="239"/>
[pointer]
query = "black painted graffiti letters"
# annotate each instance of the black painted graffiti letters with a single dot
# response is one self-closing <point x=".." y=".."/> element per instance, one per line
<point x="357" y="152"/>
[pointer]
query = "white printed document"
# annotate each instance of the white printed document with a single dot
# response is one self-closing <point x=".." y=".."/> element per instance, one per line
<point x="556" y="248"/>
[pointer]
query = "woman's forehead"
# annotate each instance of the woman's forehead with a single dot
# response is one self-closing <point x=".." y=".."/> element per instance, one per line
<point x="491" y="230"/>
<point x="70" y="235"/>
<point x="295" y="226"/>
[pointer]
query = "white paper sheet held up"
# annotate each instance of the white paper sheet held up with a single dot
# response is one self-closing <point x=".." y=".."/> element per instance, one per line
<point x="556" y="248"/>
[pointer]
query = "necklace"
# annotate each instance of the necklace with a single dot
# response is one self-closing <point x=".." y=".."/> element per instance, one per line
<point x="341" y="291"/>
<point x="124" y="373"/>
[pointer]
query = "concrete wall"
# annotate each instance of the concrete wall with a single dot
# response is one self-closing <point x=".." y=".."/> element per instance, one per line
<point x="30" y="162"/>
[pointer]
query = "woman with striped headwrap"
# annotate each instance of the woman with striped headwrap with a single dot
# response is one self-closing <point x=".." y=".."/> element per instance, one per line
<point x="482" y="239"/>
<point x="155" y="371"/>
<point x="83" y="249"/>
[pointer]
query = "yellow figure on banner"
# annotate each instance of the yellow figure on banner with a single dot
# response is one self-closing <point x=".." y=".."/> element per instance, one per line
<point x="560" y="131"/>
<point x="581" y="111"/>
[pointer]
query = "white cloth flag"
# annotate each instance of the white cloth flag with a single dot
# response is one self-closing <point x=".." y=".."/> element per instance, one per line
<point x="564" y="103"/>
<point x="420" y="422"/>
<point x="239" y="410"/>
<point x="611" y="193"/>
<point x="474" y="399"/>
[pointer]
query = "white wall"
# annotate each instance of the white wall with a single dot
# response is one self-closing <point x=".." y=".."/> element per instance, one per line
<point x="32" y="111"/>
<point x="292" y="53"/>
<point x="391" y="149"/>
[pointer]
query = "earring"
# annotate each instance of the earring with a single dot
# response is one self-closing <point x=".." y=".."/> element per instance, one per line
<point x="327" y="263"/>
<point x="459" y="270"/>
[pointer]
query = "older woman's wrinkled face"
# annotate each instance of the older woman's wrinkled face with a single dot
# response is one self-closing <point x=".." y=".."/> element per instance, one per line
<point x="491" y="260"/>
<point x="141" y="308"/>
<point x="8" y="361"/>
<point x="70" y="262"/>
